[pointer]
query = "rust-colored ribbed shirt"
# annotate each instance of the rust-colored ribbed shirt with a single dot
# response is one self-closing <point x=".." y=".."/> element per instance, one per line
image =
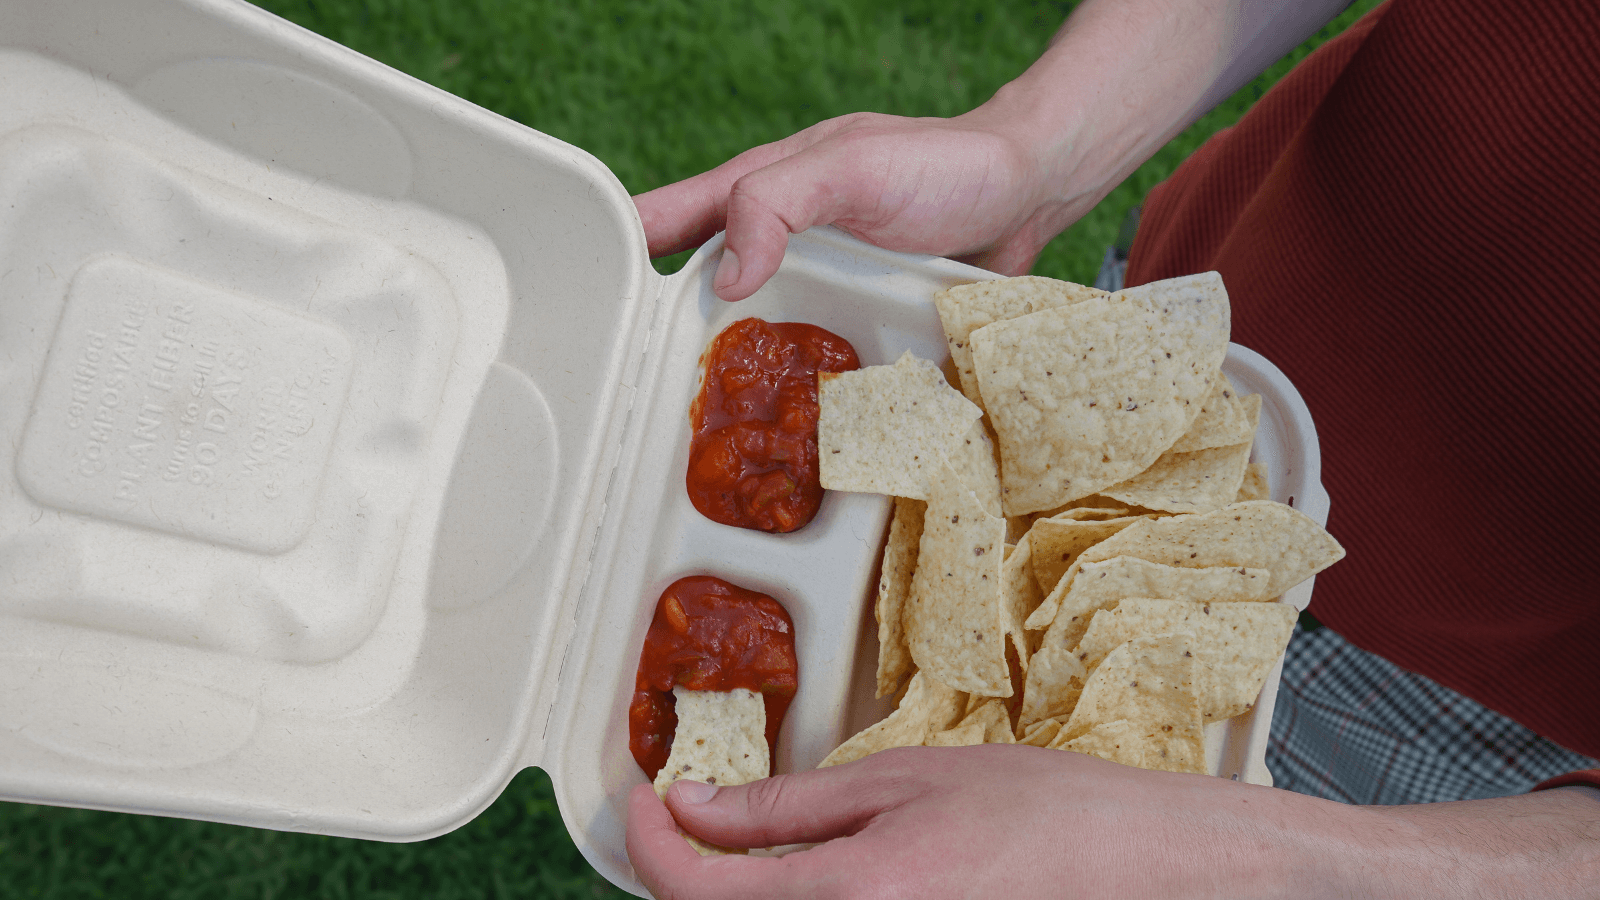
<point x="1409" y="226"/>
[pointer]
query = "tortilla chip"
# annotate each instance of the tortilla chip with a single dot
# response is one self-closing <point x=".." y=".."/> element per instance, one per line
<point x="1055" y="680"/>
<point x="968" y="307"/>
<point x="1040" y="734"/>
<point x="1225" y="419"/>
<point x="973" y="702"/>
<point x="881" y="429"/>
<point x="953" y="619"/>
<point x="991" y="714"/>
<point x="1019" y="596"/>
<point x="959" y="736"/>
<point x="1087" y="396"/>
<point x="1255" y="485"/>
<point x="1143" y="746"/>
<point x="1093" y="501"/>
<point x="928" y="706"/>
<point x="976" y="464"/>
<point x="894" y="586"/>
<point x="1257" y="534"/>
<point x="1100" y="585"/>
<point x="1058" y="542"/>
<point x="1236" y="644"/>
<point x="1149" y="681"/>
<point x="1087" y="514"/>
<point x="1197" y="482"/>
<point x="721" y="739"/>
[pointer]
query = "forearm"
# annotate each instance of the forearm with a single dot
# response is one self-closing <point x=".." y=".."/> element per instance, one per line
<point x="1117" y="81"/>
<point x="1544" y="845"/>
<point x="1122" y="77"/>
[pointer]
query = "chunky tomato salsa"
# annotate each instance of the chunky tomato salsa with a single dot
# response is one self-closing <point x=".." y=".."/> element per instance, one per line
<point x="709" y="635"/>
<point x="753" y="457"/>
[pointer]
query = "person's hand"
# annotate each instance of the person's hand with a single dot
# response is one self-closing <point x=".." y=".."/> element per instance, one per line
<point x="986" y="821"/>
<point x="1016" y="821"/>
<point x="970" y="187"/>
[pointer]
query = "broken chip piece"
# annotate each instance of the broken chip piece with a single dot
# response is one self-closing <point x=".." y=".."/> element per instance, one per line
<point x="928" y="706"/>
<point x="965" y="308"/>
<point x="1086" y="396"/>
<point x="894" y="588"/>
<point x="953" y="618"/>
<point x="1235" y="644"/>
<point x="1149" y="681"/>
<point x="1259" y="534"/>
<point x="720" y="739"/>
<point x="882" y="429"/>
<point x="1195" y="482"/>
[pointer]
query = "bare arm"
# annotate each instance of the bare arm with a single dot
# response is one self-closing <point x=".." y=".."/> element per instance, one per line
<point x="1545" y="844"/>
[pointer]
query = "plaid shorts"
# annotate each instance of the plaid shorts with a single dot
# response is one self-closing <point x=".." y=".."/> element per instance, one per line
<point x="1353" y="727"/>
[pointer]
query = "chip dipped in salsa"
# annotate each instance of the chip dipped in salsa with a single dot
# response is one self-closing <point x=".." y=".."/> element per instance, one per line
<point x="709" y="635"/>
<point x="753" y="456"/>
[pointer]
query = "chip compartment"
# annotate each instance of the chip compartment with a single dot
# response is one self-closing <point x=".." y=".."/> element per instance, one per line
<point x="345" y="426"/>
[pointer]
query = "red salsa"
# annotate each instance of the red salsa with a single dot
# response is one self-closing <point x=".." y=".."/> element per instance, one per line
<point x="709" y="635"/>
<point x="753" y="458"/>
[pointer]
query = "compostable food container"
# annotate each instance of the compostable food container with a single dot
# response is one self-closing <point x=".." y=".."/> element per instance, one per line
<point x="344" y="430"/>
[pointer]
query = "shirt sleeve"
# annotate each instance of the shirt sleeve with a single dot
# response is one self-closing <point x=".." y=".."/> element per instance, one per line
<point x="1589" y="777"/>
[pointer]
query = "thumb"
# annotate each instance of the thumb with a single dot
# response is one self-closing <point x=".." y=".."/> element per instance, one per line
<point x="817" y="185"/>
<point x="796" y="808"/>
<point x="688" y="213"/>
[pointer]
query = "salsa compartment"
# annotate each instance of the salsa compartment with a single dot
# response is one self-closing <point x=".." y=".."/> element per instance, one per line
<point x="709" y="635"/>
<point x="753" y="455"/>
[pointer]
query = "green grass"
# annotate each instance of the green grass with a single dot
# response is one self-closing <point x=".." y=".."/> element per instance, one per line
<point x="659" y="92"/>
<point x="517" y="848"/>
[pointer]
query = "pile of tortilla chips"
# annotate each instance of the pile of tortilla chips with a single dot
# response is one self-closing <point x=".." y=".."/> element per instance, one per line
<point x="1082" y="556"/>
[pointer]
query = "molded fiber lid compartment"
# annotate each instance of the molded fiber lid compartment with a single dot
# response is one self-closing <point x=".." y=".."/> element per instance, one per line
<point x="319" y="378"/>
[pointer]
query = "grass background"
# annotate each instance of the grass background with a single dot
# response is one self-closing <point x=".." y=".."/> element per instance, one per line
<point x="658" y="91"/>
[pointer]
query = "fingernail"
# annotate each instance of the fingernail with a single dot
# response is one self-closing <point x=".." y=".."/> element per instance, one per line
<point x="727" y="270"/>
<point x="695" y="791"/>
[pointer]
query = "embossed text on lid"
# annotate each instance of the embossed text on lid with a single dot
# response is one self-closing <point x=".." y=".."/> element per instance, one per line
<point x="174" y="405"/>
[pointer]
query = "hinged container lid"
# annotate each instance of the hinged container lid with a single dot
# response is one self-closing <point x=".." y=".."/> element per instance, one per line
<point x="315" y="378"/>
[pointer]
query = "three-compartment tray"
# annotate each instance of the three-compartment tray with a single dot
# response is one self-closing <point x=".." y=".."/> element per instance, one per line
<point x="345" y="426"/>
